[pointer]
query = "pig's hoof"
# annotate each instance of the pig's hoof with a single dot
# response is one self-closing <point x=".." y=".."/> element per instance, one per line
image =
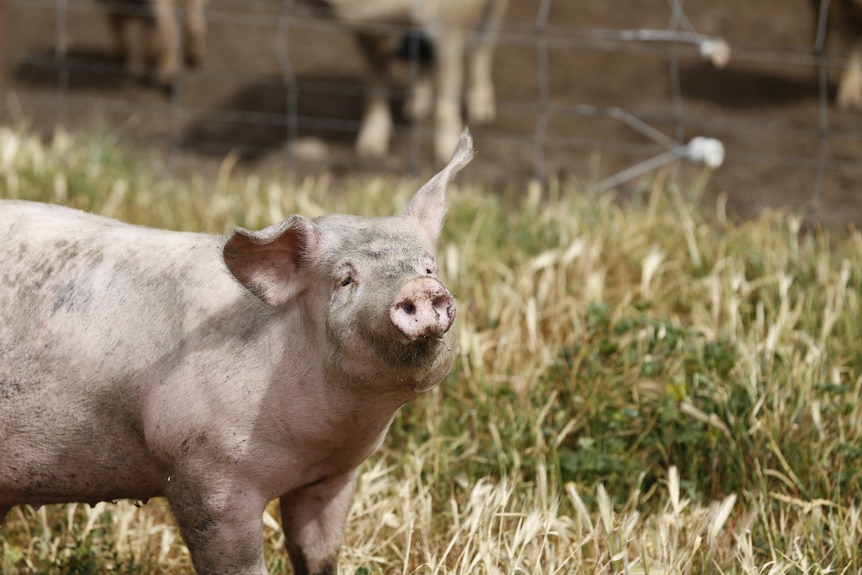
<point x="372" y="144"/>
<point x="481" y="107"/>
<point x="373" y="140"/>
<point x="162" y="80"/>
<point x="371" y="147"/>
<point x="195" y="50"/>
<point x="444" y="144"/>
<point x="850" y="88"/>
<point x="850" y="99"/>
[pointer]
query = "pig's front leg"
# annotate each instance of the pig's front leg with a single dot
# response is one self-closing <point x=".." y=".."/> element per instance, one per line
<point x="451" y="45"/>
<point x="373" y="138"/>
<point x="222" y="526"/>
<point x="313" y="519"/>
<point x="850" y="86"/>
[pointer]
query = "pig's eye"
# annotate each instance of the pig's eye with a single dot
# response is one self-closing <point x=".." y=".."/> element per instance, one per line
<point x="346" y="281"/>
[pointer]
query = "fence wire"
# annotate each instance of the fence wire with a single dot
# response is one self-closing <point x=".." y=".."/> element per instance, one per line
<point x="660" y="130"/>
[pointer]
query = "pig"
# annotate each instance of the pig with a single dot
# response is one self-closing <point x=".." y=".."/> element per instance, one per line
<point x="162" y="41"/>
<point x="457" y="30"/>
<point x="846" y="16"/>
<point x="218" y="372"/>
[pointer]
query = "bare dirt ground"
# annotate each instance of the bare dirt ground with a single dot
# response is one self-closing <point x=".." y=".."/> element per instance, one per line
<point x="763" y="106"/>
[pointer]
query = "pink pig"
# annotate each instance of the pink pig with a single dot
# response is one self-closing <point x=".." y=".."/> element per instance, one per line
<point x="220" y="373"/>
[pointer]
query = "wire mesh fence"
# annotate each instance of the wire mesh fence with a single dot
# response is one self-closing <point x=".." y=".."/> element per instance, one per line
<point x="595" y="90"/>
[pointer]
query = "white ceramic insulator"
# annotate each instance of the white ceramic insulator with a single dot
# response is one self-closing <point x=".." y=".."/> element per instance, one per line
<point x="707" y="151"/>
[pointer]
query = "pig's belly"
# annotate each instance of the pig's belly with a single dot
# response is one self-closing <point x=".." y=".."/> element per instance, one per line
<point x="50" y="455"/>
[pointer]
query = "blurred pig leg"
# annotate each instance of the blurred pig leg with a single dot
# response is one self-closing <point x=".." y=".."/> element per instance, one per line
<point x="117" y="23"/>
<point x="480" y="96"/>
<point x="449" y="47"/>
<point x="162" y="42"/>
<point x="850" y="86"/>
<point x="418" y="105"/>
<point x="195" y="32"/>
<point x="373" y="140"/>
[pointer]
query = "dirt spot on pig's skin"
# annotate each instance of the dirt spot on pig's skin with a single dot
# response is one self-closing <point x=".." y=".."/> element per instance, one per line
<point x="38" y="482"/>
<point x="75" y="296"/>
<point x="186" y="445"/>
<point x="10" y="389"/>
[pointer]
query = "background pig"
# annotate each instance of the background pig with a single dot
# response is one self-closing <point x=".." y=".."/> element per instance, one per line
<point x="459" y="31"/>
<point x="163" y="38"/>
<point x="846" y="16"/>
<point x="221" y="373"/>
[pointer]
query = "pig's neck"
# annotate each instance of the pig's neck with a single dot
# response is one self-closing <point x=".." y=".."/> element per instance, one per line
<point x="326" y="425"/>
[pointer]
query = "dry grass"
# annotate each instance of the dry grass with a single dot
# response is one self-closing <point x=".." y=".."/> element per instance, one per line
<point x="639" y="389"/>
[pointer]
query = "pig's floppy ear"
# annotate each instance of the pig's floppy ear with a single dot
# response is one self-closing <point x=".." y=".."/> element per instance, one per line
<point x="429" y="205"/>
<point x="267" y="262"/>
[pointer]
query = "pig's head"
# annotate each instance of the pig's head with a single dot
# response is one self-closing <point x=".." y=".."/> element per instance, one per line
<point x="367" y="288"/>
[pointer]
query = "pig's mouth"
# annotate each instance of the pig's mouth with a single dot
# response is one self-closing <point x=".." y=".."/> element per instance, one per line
<point x="425" y="361"/>
<point x="416" y="366"/>
<point x="402" y="352"/>
<point x="409" y="354"/>
<point x="412" y="351"/>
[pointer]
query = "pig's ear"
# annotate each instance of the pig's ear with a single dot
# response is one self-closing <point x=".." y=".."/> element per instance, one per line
<point x="429" y="205"/>
<point x="267" y="262"/>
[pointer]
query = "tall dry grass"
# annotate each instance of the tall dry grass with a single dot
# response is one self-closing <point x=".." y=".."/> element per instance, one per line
<point x="641" y="388"/>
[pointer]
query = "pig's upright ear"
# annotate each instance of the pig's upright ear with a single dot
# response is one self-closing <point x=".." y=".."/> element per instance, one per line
<point x="267" y="262"/>
<point x="429" y="205"/>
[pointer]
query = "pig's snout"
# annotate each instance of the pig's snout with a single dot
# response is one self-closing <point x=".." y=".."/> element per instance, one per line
<point x="423" y="308"/>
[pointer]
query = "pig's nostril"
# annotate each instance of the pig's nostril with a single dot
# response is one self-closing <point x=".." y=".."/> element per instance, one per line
<point x="441" y="303"/>
<point x="408" y="307"/>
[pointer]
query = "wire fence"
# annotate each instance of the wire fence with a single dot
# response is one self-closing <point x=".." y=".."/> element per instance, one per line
<point x="603" y="93"/>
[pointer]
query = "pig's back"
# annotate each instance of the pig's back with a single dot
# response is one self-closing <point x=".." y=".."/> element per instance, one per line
<point x="67" y="272"/>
